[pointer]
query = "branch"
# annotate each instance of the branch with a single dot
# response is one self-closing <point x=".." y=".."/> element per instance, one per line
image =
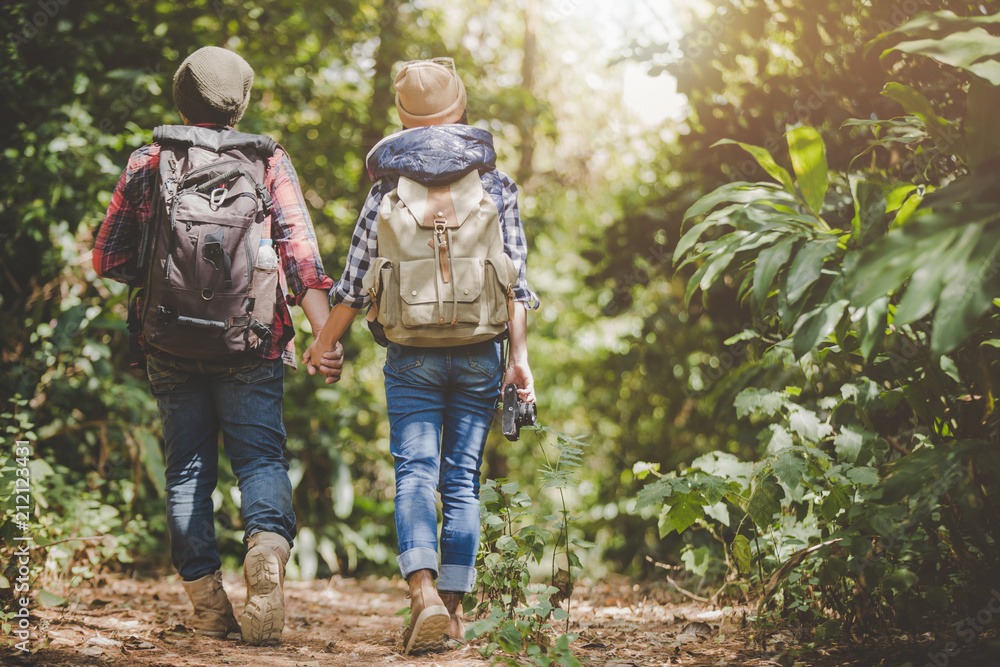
<point x="696" y="598"/>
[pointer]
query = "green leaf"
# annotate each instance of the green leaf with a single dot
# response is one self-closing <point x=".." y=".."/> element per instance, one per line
<point x="683" y="511"/>
<point x="789" y="467"/>
<point x="769" y="262"/>
<point x="780" y="439"/>
<point x="982" y="132"/>
<point x="872" y="327"/>
<point x="506" y="543"/>
<point x="806" y="267"/>
<point x="917" y="105"/>
<point x="863" y="476"/>
<point x="741" y="554"/>
<point x="815" y="326"/>
<point x="929" y="279"/>
<point x="870" y="207"/>
<point x="805" y="424"/>
<point x="765" y="502"/>
<point x="848" y="443"/>
<point x="902" y="580"/>
<point x="967" y="296"/>
<point x="805" y="146"/>
<point x="765" y="160"/>
<point x="944" y="20"/>
<point x="963" y="50"/>
<point x="739" y="192"/>
<point x="47" y="599"/>
<point x="653" y="494"/>
<point x="836" y="500"/>
<point x="696" y="560"/>
<point x="690" y="238"/>
<point x="759" y="401"/>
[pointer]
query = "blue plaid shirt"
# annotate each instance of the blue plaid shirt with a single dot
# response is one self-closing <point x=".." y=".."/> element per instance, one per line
<point x="364" y="243"/>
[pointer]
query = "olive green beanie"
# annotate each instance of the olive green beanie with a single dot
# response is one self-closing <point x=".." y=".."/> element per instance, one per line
<point x="212" y="85"/>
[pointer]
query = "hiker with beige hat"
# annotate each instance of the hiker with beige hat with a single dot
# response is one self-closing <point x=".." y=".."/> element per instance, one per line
<point x="438" y="257"/>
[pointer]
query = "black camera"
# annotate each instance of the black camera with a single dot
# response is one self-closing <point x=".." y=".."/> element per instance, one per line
<point x="516" y="413"/>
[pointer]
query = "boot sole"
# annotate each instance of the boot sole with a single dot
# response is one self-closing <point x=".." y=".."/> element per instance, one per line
<point x="264" y="614"/>
<point x="428" y="630"/>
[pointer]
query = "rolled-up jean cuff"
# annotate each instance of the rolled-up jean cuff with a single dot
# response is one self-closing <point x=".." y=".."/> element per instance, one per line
<point x="420" y="558"/>
<point x="456" y="578"/>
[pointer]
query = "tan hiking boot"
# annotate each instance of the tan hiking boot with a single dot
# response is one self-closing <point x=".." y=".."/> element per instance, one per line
<point x="213" y="614"/>
<point x="453" y="603"/>
<point x="264" y="574"/>
<point x="428" y="616"/>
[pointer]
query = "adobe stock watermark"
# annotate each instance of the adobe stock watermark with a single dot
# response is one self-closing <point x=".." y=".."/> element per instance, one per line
<point x="35" y="21"/>
<point x="21" y="498"/>
<point x="968" y="630"/>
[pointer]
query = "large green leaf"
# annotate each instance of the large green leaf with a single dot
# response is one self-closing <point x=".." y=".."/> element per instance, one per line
<point x="971" y="51"/>
<point x="765" y="160"/>
<point x="765" y="501"/>
<point x="982" y="132"/>
<point x="742" y="554"/>
<point x="913" y="102"/>
<point x="872" y="326"/>
<point x="928" y="23"/>
<point x="805" y="146"/>
<point x="870" y="206"/>
<point x="769" y="262"/>
<point x="684" y="510"/>
<point x="884" y="267"/>
<point x="967" y="296"/>
<point x="816" y="326"/>
<point x="806" y="267"/>
<point x="739" y="192"/>
<point x="930" y="277"/>
<point x="690" y="238"/>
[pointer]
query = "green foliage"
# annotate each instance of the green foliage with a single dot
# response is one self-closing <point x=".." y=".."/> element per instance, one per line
<point x="876" y="482"/>
<point x="514" y="615"/>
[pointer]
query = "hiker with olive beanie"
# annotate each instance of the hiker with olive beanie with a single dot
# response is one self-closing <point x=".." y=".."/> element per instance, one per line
<point x="239" y="389"/>
<point x="438" y="254"/>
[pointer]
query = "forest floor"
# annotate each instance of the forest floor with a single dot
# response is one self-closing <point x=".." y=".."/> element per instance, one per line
<point x="346" y="622"/>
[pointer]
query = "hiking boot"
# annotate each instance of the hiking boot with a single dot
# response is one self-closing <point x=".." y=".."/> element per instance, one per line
<point x="453" y="603"/>
<point x="428" y="616"/>
<point x="264" y="574"/>
<point x="213" y="614"/>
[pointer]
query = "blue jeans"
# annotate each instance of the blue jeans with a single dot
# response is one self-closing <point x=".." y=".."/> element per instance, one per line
<point x="241" y="396"/>
<point x="441" y="402"/>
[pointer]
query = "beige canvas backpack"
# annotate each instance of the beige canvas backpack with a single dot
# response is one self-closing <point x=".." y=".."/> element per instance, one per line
<point x="441" y="277"/>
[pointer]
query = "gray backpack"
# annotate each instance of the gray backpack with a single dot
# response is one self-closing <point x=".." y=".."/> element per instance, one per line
<point x="203" y="298"/>
<point x="441" y="277"/>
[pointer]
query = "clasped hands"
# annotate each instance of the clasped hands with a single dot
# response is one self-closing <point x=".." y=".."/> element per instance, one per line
<point x="327" y="361"/>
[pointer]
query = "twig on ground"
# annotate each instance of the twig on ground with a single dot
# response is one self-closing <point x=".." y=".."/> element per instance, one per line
<point x="696" y="598"/>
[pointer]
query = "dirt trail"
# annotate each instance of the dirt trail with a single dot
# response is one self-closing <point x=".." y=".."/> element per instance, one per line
<point x="347" y="623"/>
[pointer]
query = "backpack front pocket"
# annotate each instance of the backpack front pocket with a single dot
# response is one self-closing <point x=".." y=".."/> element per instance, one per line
<point x="427" y="300"/>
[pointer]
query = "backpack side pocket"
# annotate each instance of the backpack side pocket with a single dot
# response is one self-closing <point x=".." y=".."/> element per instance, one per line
<point x="382" y="285"/>
<point x="500" y="278"/>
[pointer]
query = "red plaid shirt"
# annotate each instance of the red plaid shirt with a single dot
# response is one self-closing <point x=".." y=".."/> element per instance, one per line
<point x="116" y="250"/>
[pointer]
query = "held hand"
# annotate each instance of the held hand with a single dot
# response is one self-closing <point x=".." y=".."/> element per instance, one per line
<point x="327" y="361"/>
<point x="313" y="352"/>
<point x="519" y="375"/>
<point x="331" y="364"/>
